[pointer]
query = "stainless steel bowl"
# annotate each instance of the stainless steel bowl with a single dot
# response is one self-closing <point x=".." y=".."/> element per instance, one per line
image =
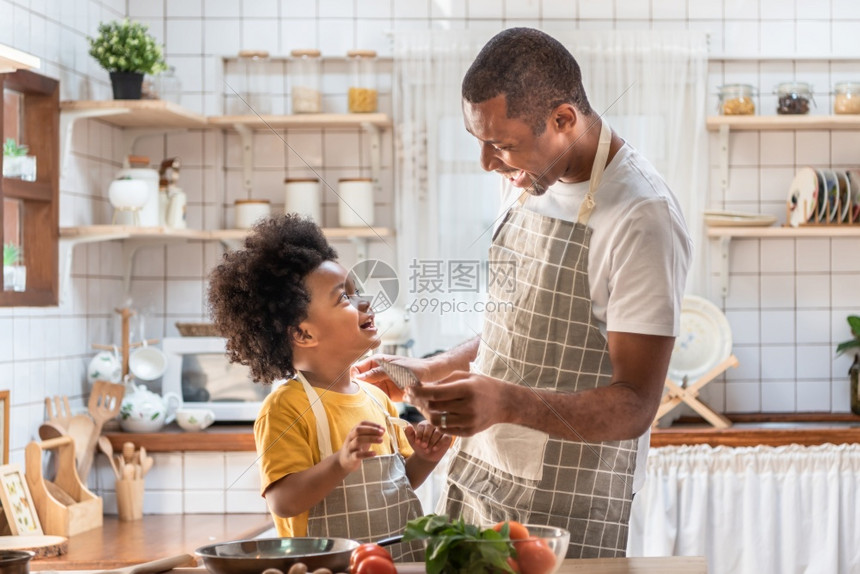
<point x="15" y="561"/>
<point x="254" y="556"/>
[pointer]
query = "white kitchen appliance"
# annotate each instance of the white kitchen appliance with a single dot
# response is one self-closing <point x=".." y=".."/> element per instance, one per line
<point x="198" y="370"/>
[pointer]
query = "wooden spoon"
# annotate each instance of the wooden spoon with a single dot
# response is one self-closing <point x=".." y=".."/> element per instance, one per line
<point x="128" y="451"/>
<point x="106" y="447"/>
<point x="49" y="430"/>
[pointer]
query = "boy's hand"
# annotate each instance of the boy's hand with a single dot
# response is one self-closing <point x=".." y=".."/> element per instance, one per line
<point x="357" y="445"/>
<point x="427" y="441"/>
<point x="368" y="371"/>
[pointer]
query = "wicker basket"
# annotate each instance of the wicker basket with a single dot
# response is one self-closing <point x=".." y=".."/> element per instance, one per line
<point x="197" y="330"/>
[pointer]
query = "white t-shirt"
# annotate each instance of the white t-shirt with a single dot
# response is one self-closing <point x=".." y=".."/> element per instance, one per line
<point x="638" y="255"/>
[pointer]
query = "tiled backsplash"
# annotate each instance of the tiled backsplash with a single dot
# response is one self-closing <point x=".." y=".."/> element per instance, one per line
<point x="787" y="298"/>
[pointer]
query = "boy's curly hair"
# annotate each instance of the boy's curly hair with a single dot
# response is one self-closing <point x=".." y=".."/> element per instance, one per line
<point x="257" y="296"/>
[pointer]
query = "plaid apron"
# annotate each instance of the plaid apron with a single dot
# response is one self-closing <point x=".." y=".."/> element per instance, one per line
<point x="544" y="335"/>
<point x="373" y="502"/>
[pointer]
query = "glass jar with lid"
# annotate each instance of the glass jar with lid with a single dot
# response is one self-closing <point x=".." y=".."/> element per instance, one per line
<point x="254" y="69"/>
<point x="737" y="100"/>
<point x="793" y="98"/>
<point x="362" y="85"/>
<point x="847" y="98"/>
<point x="305" y="77"/>
<point x="168" y="86"/>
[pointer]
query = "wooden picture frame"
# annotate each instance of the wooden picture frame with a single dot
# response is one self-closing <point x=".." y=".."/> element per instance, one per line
<point x="17" y="503"/>
<point x="4" y="427"/>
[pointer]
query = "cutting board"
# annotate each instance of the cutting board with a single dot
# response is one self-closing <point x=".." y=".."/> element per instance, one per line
<point x="42" y="545"/>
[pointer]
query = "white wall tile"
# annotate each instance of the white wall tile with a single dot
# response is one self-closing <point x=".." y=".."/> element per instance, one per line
<point x="184" y="297"/>
<point x="245" y="501"/>
<point x="810" y="34"/>
<point x="813" y="326"/>
<point x="222" y="37"/>
<point x="845" y="289"/>
<point x="299" y="9"/>
<point x="814" y="361"/>
<point x="813" y="9"/>
<point x="743" y="397"/>
<point x="260" y="9"/>
<point x="777" y="362"/>
<point x="813" y="396"/>
<point x="845" y="10"/>
<point x="636" y="10"/>
<point x="777" y="326"/>
<point x="204" y="471"/>
<point x="777" y="396"/>
<point x="203" y="501"/>
<point x="742" y="36"/>
<point x="744" y="256"/>
<point x="745" y="327"/>
<point x="813" y="148"/>
<point x="595" y="10"/>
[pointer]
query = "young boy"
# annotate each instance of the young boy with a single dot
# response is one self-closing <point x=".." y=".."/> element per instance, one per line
<point x="331" y="456"/>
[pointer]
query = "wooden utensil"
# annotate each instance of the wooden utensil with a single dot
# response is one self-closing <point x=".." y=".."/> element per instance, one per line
<point x="81" y="430"/>
<point x="107" y="448"/>
<point x="51" y="430"/>
<point x="104" y="404"/>
<point x="58" y="411"/>
<point x="155" y="566"/>
<point x="128" y="451"/>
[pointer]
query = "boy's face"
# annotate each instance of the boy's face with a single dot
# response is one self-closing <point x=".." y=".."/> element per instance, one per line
<point x="340" y="323"/>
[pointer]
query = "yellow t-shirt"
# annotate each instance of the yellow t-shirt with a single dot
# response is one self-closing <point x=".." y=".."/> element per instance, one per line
<point x="286" y="435"/>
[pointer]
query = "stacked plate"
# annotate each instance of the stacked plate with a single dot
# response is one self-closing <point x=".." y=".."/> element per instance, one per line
<point x="717" y="218"/>
<point x="824" y="196"/>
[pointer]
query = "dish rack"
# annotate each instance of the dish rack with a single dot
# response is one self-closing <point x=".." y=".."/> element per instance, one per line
<point x="823" y="197"/>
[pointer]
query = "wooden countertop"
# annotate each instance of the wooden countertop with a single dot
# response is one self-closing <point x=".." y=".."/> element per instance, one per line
<point x="656" y="565"/>
<point x="117" y="544"/>
<point x="773" y="429"/>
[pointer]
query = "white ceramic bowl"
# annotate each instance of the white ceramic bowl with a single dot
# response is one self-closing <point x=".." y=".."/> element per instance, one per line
<point x="128" y="193"/>
<point x="147" y="363"/>
<point x="194" y="419"/>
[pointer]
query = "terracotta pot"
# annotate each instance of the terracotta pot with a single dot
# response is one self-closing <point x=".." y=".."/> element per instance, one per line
<point x="126" y="85"/>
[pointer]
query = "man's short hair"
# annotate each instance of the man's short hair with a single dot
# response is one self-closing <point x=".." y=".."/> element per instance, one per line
<point x="534" y="71"/>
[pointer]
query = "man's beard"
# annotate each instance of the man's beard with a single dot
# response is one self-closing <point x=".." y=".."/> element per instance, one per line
<point x="537" y="188"/>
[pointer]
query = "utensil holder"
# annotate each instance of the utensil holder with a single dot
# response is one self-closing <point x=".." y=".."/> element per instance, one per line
<point x="129" y="498"/>
<point x="65" y="507"/>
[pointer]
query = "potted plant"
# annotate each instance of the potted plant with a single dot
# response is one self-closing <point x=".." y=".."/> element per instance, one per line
<point x="854" y="371"/>
<point x="16" y="162"/>
<point x="14" y="275"/>
<point x="127" y="51"/>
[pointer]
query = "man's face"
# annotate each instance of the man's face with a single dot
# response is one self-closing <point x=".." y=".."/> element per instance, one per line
<point x="510" y="148"/>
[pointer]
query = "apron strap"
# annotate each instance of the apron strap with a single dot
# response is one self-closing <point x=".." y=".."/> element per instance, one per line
<point x="597" y="168"/>
<point x="323" y="430"/>
<point x="392" y="430"/>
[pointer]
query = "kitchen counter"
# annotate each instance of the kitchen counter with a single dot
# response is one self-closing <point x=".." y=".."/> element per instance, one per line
<point x="658" y="565"/>
<point x="772" y="429"/>
<point x="119" y="543"/>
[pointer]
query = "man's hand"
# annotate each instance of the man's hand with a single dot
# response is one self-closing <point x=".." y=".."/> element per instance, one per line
<point x="357" y="445"/>
<point x="368" y="371"/>
<point x="427" y="441"/>
<point x="463" y="403"/>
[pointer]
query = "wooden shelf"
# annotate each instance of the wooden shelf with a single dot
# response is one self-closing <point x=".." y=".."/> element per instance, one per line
<point x="792" y="232"/>
<point x="786" y="122"/>
<point x="216" y="438"/>
<point x="113" y="232"/>
<point x="19" y="189"/>
<point x="12" y="59"/>
<point x="137" y="113"/>
<point x="302" y="121"/>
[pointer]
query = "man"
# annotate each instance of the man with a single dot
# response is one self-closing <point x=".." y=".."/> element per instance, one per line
<point x="551" y="398"/>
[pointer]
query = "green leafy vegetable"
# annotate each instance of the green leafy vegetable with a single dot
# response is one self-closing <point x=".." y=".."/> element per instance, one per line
<point x="454" y="547"/>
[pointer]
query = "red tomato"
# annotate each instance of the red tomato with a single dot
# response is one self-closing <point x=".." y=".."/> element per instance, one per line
<point x="513" y="564"/>
<point x="364" y="551"/>
<point x="517" y="530"/>
<point x="375" y="565"/>
<point x="535" y="557"/>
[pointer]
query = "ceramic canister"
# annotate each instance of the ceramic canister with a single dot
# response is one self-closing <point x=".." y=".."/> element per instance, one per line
<point x="355" y="206"/>
<point x="249" y="211"/>
<point x="303" y="196"/>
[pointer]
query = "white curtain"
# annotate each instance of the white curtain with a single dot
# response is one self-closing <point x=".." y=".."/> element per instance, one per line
<point x="650" y="84"/>
<point x="756" y="510"/>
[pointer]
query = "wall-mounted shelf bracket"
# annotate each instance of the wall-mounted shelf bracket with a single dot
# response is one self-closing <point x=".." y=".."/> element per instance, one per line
<point x="246" y="134"/>
<point x="373" y="133"/>
<point x="67" y="126"/>
<point x="130" y="136"/>
<point x="725" y="246"/>
<point x="129" y="251"/>
<point x="724" y="159"/>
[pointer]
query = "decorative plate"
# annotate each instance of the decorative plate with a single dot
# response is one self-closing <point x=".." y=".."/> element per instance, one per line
<point x="803" y="196"/>
<point x="738" y="219"/>
<point x="844" y="195"/>
<point x="705" y="340"/>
